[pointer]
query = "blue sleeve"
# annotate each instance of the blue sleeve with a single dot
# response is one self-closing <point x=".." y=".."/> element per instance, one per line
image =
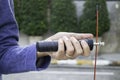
<point x="13" y="58"/>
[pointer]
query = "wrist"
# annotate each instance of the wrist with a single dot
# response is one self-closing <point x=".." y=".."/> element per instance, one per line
<point x="41" y="54"/>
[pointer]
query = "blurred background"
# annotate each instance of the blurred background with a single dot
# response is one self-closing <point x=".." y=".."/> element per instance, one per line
<point x="39" y="19"/>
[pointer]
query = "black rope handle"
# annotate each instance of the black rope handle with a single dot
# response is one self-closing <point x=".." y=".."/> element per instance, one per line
<point x="52" y="46"/>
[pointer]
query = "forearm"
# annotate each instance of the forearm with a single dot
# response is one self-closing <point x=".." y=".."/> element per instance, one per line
<point x="17" y="59"/>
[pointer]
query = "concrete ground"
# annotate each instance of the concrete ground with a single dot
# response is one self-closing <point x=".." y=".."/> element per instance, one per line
<point x="66" y="72"/>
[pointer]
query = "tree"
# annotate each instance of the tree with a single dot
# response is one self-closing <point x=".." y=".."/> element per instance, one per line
<point x="112" y="38"/>
<point x="87" y="21"/>
<point x="32" y="16"/>
<point x="63" y="16"/>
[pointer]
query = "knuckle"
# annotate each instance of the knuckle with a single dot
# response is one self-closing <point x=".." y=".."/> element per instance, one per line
<point x="71" y="50"/>
<point x="79" y="52"/>
<point x="77" y="42"/>
<point x="61" y="43"/>
<point x="60" y="51"/>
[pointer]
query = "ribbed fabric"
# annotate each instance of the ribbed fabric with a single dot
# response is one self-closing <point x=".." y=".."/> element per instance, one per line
<point x="13" y="58"/>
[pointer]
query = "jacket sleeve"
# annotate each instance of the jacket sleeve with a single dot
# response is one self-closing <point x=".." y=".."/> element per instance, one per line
<point x="17" y="59"/>
<point x="13" y="58"/>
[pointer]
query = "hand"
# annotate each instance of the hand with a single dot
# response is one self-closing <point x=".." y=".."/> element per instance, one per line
<point x="78" y="36"/>
<point x="73" y="47"/>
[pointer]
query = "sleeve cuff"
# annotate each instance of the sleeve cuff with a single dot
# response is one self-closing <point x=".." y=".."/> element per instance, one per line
<point x="43" y="62"/>
<point x="39" y="63"/>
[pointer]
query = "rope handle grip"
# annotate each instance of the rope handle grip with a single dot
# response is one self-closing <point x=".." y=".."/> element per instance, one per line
<point x="52" y="46"/>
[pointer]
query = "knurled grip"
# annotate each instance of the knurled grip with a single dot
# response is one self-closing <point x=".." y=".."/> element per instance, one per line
<point x="52" y="46"/>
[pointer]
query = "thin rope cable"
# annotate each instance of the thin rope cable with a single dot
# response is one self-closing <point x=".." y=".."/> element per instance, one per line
<point x="96" y="51"/>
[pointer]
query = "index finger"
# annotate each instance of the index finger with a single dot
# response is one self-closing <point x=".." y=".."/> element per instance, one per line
<point x="81" y="35"/>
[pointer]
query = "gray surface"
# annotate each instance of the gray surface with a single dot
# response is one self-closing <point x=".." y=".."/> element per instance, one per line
<point x="110" y="56"/>
<point x="68" y="73"/>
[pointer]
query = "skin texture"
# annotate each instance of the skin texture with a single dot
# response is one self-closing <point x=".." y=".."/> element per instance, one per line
<point x="73" y="47"/>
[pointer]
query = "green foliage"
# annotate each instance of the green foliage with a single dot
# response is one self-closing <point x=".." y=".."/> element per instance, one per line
<point x="63" y="16"/>
<point x="32" y="16"/>
<point x="87" y="21"/>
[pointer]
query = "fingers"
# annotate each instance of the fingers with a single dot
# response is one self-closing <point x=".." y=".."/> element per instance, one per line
<point x="76" y="35"/>
<point x="73" y="48"/>
<point x="86" y="49"/>
<point x="77" y="46"/>
<point x="61" y="50"/>
<point x="62" y="53"/>
<point x="81" y="36"/>
<point x="69" y="46"/>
